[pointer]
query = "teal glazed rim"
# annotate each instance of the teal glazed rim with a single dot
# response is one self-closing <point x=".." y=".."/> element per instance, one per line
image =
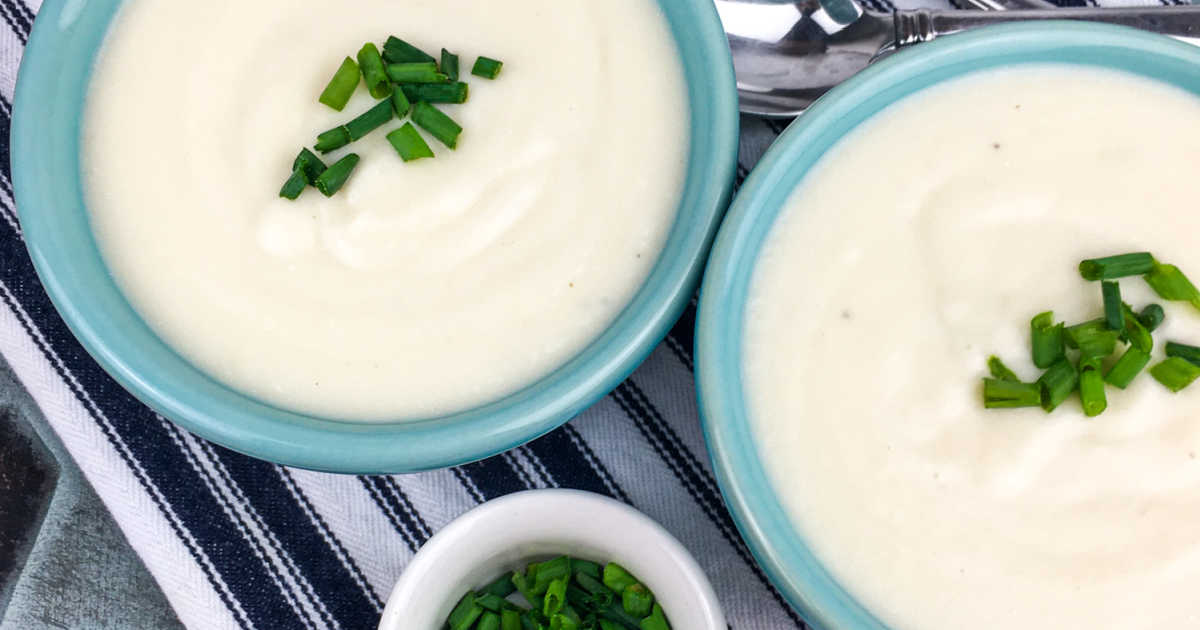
<point x="774" y="541"/>
<point x="45" y="140"/>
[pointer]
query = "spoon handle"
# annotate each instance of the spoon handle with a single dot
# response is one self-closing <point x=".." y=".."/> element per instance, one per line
<point x="922" y="25"/>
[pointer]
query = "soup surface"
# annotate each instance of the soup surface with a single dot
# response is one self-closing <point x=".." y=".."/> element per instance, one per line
<point x="421" y="288"/>
<point x="926" y="241"/>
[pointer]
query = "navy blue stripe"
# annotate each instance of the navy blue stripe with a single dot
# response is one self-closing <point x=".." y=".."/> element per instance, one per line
<point x="683" y="465"/>
<point x="682" y="337"/>
<point x="401" y="499"/>
<point x="22" y="8"/>
<point x="18" y="25"/>
<point x="493" y="477"/>
<point x="404" y="519"/>
<point x="565" y="463"/>
<point x="327" y="533"/>
<point x="598" y="465"/>
<point x="334" y="586"/>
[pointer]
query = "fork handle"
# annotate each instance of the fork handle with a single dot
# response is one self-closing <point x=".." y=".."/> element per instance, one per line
<point x="922" y="25"/>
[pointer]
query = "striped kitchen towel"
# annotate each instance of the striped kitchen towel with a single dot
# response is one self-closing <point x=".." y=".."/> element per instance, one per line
<point x="239" y="543"/>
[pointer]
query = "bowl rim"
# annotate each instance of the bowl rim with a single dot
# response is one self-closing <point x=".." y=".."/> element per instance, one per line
<point x="778" y="546"/>
<point x="513" y="520"/>
<point x="102" y="320"/>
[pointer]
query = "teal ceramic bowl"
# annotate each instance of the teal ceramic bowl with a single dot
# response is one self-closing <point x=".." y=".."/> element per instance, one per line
<point x="45" y="147"/>
<point x="775" y="542"/>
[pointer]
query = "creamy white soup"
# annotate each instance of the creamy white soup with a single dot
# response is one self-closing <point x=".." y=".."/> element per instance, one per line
<point x="420" y="288"/>
<point x="924" y="242"/>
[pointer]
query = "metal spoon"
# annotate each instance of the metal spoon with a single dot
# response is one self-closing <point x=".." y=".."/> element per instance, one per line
<point x="787" y="55"/>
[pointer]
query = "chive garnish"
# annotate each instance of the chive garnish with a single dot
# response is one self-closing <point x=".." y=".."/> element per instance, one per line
<point x="1048" y="339"/>
<point x="502" y="587"/>
<point x="556" y="597"/>
<point x="637" y="600"/>
<point x="438" y="125"/>
<point x="1005" y="394"/>
<point x="400" y="103"/>
<point x="510" y="619"/>
<point x="436" y="92"/>
<point x="1152" y="316"/>
<point x="1116" y="266"/>
<point x="336" y="175"/>
<point x="335" y="138"/>
<point x="486" y="67"/>
<point x="1093" y="339"/>
<point x="1134" y="332"/>
<point x="1000" y="371"/>
<point x="549" y="571"/>
<point x="308" y="162"/>
<point x="1170" y="284"/>
<point x="489" y="601"/>
<point x="1114" y="315"/>
<point x="396" y="50"/>
<point x="416" y="72"/>
<point x="1091" y="391"/>
<point x="1057" y="383"/>
<point x="341" y="87"/>
<point x="373" y="71"/>
<point x="370" y="120"/>
<point x="465" y="613"/>
<point x="1175" y="373"/>
<point x="1122" y="373"/>
<point x="617" y="578"/>
<point x="656" y="620"/>
<point x="294" y="185"/>
<point x="583" y="566"/>
<point x="489" y="621"/>
<point x="409" y="144"/>
<point x="449" y="65"/>
<point x="1184" y="351"/>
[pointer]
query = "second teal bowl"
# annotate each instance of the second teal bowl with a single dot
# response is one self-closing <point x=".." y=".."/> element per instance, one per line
<point x="775" y="542"/>
<point x="45" y="147"/>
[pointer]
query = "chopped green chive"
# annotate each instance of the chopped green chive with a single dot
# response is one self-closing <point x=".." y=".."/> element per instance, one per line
<point x="1170" y="284"/>
<point x="341" y="87"/>
<point x="436" y="92"/>
<point x="1114" y="315"/>
<point x="510" y="619"/>
<point x="400" y="103"/>
<point x="546" y="572"/>
<point x="1152" y="317"/>
<point x="637" y="600"/>
<point x="294" y="185"/>
<point x="308" y="162"/>
<point x="1122" y="373"/>
<point x="583" y="566"/>
<point x="1093" y="339"/>
<point x="396" y="50"/>
<point x="608" y="625"/>
<point x="370" y="120"/>
<point x="373" y="72"/>
<point x="409" y="144"/>
<point x="1048" y="339"/>
<point x="489" y="621"/>
<point x="336" y="175"/>
<point x="486" y="67"/>
<point x="526" y="589"/>
<point x="465" y="613"/>
<point x="1183" y="351"/>
<point x="617" y="578"/>
<point x="1091" y="391"/>
<point x="335" y="138"/>
<point x="1057" y="383"/>
<point x="1003" y="394"/>
<point x="416" y="72"/>
<point x="449" y="65"/>
<point x="1175" y="373"/>
<point x="489" y="601"/>
<point x="1000" y="371"/>
<point x="1134" y="332"/>
<point x="656" y="621"/>
<point x="502" y="587"/>
<point x="1116" y="266"/>
<point x="438" y="125"/>
<point x="556" y="597"/>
